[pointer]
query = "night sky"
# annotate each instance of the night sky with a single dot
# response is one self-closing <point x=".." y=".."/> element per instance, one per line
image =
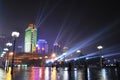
<point x="74" y="20"/>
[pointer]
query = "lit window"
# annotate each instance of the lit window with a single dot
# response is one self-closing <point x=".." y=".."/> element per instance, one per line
<point x="43" y="49"/>
<point x="38" y="48"/>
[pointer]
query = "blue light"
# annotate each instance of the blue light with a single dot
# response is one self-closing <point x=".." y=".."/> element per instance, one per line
<point x="47" y="62"/>
<point x="75" y="59"/>
<point x="40" y="19"/>
<point x="102" y="56"/>
<point x="87" y="58"/>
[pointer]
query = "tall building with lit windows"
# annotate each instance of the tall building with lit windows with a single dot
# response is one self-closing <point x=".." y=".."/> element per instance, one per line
<point x="30" y="38"/>
<point x="42" y="46"/>
<point x="57" y="49"/>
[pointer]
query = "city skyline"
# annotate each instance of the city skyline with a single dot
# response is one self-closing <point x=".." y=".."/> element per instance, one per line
<point x="69" y="22"/>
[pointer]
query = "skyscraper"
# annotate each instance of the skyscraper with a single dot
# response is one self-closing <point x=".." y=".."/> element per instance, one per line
<point x="30" y="38"/>
<point x="65" y="49"/>
<point x="42" y="46"/>
<point x="57" y="49"/>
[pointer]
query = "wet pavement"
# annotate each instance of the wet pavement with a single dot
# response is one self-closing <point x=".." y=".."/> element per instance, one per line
<point x="49" y="73"/>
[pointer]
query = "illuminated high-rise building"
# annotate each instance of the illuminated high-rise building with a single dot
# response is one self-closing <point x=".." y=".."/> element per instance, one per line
<point x="65" y="49"/>
<point x="57" y="49"/>
<point x="30" y="38"/>
<point x="42" y="46"/>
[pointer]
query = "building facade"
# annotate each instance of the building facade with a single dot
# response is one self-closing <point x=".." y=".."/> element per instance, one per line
<point x="57" y="49"/>
<point x="30" y="39"/>
<point x="42" y="46"/>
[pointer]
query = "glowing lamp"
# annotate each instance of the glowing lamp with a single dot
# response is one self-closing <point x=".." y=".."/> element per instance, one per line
<point x="99" y="47"/>
<point x="46" y="56"/>
<point x="3" y="52"/>
<point x="15" y="34"/>
<point x="8" y="44"/>
<point x="43" y="49"/>
<point x="38" y="48"/>
<point x="78" y="51"/>
<point x="6" y="49"/>
<point x="53" y="55"/>
<point x="11" y="53"/>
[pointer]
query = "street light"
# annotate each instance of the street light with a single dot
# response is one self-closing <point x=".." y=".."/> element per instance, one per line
<point x="53" y="55"/>
<point x="8" y="44"/>
<point x="100" y="48"/>
<point x="6" y="56"/>
<point x="6" y="49"/>
<point x="78" y="51"/>
<point x="3" y="53"/>
<point x="14" y="35"/>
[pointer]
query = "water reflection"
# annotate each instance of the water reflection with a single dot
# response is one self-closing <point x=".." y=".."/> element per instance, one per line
<point x="31" y="74"/>
<point x="103" y="72"/>
<point x="48" y="73"/>
<point x="88" y="72"/>
<point x="75" y="74"/>
<point x="2" y="73"/>
<point x="80" y="74"/>
<point x="8" y="74"/>
<point x="65" y="74"/>
<point x="54" y="74"/>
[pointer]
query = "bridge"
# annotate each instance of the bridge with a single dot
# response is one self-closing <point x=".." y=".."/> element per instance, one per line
<point x="35" y="59"/>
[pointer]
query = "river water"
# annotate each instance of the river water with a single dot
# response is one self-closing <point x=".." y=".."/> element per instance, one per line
<point x="49" y="73"/>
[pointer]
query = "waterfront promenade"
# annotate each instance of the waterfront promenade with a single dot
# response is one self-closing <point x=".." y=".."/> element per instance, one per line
<point x="53" y="73"/>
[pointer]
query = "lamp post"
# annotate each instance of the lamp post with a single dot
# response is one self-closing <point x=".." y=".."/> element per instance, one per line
<point x="8" y="44"/>
<point x="6" y="49"/>
<point x="100" y="48"/>
<point x="53" y="55"/>
<point x="14" y="35"/>
<point x="3" y="53"/>
<point x="79" y="53"/>
<point x="6" y="60"/>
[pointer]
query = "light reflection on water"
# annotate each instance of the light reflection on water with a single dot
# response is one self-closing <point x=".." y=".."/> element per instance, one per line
<point x="88" y="71"/>
<point x="8" y="75"/>
<point x="80" y="75"/>
<point x="65" y="74"/>
<point x="48" y="73"/>
<point x="54" y="74"/>
<point x="103" y="72"/>
<point x="75" y="75"/>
